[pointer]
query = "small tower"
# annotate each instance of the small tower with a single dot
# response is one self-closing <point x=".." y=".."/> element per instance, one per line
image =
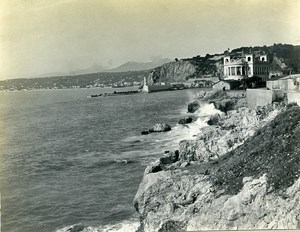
<point x="226" y="59"/>
<point x="249" y="60"/>
<point x="145" y="81"/>
<point x="263" y="58"/>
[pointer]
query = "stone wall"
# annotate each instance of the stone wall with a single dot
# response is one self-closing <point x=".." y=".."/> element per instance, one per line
<point x="285" y="84"/>
<point x="236" y="93"/>
<point x="259" y="97"/>
<point x="156" y="88"/>
<point x="293" y="97"/>
<point x="273" y="84"/>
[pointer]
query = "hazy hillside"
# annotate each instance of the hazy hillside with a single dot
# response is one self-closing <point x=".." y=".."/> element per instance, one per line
<point x="139" y="66"/>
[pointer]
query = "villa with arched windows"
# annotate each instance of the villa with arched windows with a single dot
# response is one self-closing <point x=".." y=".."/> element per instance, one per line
<point x="244" y="66"/>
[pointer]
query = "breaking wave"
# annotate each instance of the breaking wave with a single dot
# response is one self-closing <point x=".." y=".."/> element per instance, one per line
<point x="124" y="226"/>
<point x="189" y="131"/>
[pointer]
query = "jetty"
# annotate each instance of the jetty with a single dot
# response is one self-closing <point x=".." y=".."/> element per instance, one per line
<point x="115" y="93"/>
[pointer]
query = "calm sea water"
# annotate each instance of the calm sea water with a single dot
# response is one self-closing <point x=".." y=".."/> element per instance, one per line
<point x="63" y="154"/>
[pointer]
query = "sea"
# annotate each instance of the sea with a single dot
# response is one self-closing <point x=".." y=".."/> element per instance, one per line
<point x="72" y="161"/>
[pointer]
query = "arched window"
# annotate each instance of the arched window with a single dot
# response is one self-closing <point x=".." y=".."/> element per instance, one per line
<point x="249" y="58"/>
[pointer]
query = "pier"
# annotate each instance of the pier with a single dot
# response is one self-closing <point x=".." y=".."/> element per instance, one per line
<point x="115" y="93"/>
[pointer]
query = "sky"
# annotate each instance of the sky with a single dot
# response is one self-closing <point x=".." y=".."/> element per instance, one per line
<point x="39" y="37"/>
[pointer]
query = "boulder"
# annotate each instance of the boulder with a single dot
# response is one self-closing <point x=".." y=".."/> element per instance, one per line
<point x="200" y="94"/>
<point x="76" y="228"/>
<point x="144" y="132"/>
<point x="213" y="95"/>
<point x="185" y="120"/>
<point x="169" y="158"/>
<point x="193" y="107"/>
<point x="214" y="119"/>
<point x="155" y="166"/>
<point x="160" y="127"/>
<point x="224" y="105"/>
<point x="162" y="163"/>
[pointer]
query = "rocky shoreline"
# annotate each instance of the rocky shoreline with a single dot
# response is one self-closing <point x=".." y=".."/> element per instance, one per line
<point x="240" y="172"/>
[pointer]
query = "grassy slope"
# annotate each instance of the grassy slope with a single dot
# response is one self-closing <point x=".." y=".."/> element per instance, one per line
<point x="274" y="150"/>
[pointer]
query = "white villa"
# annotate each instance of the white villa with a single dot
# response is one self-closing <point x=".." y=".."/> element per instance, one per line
<point x="249" y="65"/>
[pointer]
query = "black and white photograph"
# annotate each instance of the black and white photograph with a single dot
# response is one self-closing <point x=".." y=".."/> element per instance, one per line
<point x="149" y="115"/>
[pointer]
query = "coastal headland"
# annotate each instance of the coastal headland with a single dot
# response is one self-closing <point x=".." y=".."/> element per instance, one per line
<point x="241" y="171"/>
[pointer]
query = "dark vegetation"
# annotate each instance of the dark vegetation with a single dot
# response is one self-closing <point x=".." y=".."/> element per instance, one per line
<point x="249" y="83"/>
<point x="253" y="82"/>
<point x="204" y="66"/>
<point x="274" y="150"/>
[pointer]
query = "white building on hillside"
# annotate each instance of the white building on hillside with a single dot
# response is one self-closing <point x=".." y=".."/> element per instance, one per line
<point x="249" y="65"/>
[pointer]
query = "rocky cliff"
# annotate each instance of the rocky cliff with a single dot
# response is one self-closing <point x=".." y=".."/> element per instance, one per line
<point x="182" y="70"/>
<point x="176" y="71"/>
<point x="240" y="173"/>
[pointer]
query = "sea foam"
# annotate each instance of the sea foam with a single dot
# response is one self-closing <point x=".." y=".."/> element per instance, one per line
<point x="124" y="226"/>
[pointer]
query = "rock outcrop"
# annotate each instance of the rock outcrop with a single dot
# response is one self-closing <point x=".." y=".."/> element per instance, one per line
<point x="229" y="132"/>
<point x="254" y="207"/>
<point x="173" y="201"/>
<point x="185" y="120"/>
<point x="223" y="101"/>
<point x="240" y="173"/>
<point x="160" y="127"/>
<point x="193" y="107"/>
<point x="172" y="72"/>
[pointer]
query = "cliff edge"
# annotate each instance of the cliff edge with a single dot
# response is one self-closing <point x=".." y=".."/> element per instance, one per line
<point x="240" y="173"/>
<point x="172" y="72"/>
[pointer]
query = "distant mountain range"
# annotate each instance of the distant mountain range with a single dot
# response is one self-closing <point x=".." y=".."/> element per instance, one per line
<point x="139" y="66"/>
<point x="126" y="67"/>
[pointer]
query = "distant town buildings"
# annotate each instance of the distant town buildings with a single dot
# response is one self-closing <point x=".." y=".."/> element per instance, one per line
<point x="244" y="66"/>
